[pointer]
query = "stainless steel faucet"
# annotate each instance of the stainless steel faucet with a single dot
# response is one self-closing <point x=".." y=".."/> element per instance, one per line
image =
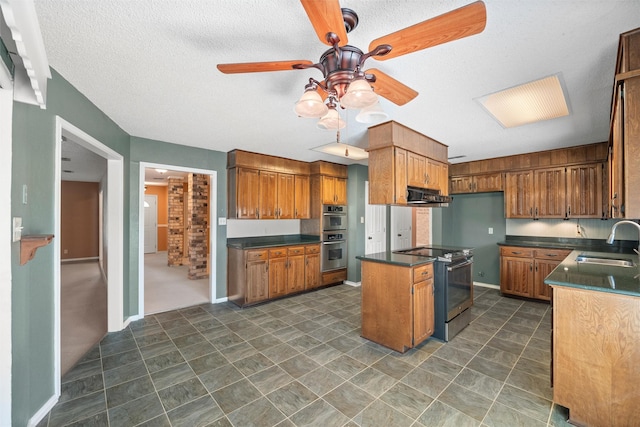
<point x="612" y="235"/>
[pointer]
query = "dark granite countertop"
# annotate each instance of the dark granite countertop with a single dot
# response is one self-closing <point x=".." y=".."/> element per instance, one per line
<point x="271" y="241"/>
<point x="596" y="277"/>
<point x="389" y="257"/>
<point x="593" y="245"/>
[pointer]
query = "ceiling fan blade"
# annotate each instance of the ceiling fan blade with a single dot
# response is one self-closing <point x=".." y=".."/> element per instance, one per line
<point x="390" y="88"/>
<point x="326" y="17"/>
<point x="459" y="23"/>
<point x="258" y="67"/>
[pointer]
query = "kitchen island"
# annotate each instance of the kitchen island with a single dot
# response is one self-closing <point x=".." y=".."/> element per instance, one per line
<point x="397" y="299"/>
<point x="596" y="338"/>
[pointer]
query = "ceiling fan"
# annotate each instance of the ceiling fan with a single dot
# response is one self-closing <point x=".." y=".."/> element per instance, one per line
<point x="345" y="82"/>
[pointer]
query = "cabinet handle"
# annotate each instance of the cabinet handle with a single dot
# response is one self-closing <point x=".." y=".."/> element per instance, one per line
<point x="531" y="267"/>
<point x="296" y="214"/>
<point x="569" y="209"/>
<point x="551" y="255"/>
<point x="257" y="213"/>
<point x="536" y="212"/>
<point x="470" y="186"/>
<point x="531" y="212"/>
<point x="536" y="268"/>
<point x="516" y="252"/>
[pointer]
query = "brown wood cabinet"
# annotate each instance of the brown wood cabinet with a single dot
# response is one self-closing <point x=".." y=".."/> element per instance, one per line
<point x="575" y="191"/>
<point x="247" y="199"/>
<point x="483" y="183"/>
<point x="624" y="139"/>
<point x="397" y="304"/>
<point x="334" y="190"/>
<point x="401" y="157"/>
<point x="523" y="270"/>
<point x="302" y="197"/>
<point x="595" y="356"/>
<point x="257" y="275"/>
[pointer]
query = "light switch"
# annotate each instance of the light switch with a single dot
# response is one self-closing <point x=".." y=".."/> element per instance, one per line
<point x="490" y="230"/>
<point x="361" y="220"/>
<point x="222" y="221"/>
<point x="17" y="228"/>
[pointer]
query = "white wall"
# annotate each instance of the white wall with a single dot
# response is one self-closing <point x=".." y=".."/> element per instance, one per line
<point x="262" y="227"/>
<point x="589" y="228"/>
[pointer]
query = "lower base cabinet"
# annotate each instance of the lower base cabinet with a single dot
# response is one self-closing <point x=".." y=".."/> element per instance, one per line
<point x="257" y="275"/>
<point x="397" y="304"/>
<point x="522" y="270"/>
<point x="596" y="354"/>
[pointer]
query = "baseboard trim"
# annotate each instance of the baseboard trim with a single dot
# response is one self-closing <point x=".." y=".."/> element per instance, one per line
<point x="219" y="300"/>
<point x="350" y="283"/>
<point x="130" y="319"/>
<point x="91" y="258"/>
<point x="486" y="285"/>
<point x="43" y="411"/>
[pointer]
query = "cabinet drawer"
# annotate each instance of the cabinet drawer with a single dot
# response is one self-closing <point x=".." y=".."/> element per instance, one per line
<point x="257" y="255"/>
<point x="424" y="272"/>
<point x="516" y="251"/>
<point x="312" y="249"/>
<point x="278" y="252"/>
<point x="553" y="254"/>
<point x="334" y="277"/>
<point x="295" y="250"/>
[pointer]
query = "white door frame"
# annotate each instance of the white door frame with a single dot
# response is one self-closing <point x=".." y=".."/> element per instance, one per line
<point x="115" y="231"/>
<point x="213" y="185"/>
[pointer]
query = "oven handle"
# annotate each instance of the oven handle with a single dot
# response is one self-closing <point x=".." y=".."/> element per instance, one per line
<point x="461" y="265"/>
<point x="335" y="242"/>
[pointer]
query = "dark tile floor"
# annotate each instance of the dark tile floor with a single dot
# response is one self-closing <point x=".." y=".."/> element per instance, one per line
<point x="301" y="362"/>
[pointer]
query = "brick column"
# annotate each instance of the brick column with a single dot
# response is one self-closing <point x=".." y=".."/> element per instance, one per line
<point x="175" y="237"/>
<point x="198" y="205"/>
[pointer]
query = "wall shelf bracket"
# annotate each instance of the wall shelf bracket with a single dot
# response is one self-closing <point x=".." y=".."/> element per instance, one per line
<point x="29" y="245"/>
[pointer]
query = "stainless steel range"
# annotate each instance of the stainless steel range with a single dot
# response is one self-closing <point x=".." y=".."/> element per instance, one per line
<point x="453" y="287"/>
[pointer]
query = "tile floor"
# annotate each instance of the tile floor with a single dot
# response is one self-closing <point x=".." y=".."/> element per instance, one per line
<point x="301" y="362"/>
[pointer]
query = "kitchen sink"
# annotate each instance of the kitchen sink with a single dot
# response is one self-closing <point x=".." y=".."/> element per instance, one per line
<point x="600" y="260"/>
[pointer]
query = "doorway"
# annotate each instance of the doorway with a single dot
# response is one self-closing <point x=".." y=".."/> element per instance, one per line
<point x="166" y="282"/>
<point x="110" y="259"/>
<point x="401" y="224"/>
<point x="375" y="225"/>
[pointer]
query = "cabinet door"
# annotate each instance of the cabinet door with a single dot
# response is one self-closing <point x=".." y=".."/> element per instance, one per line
<point x="257" y="281"/>
<point x="437" y="176"/>
<point x="277" y="277"/>
<point x="399" y="176"/>
<point x="248" y="193"/>
<point x="340" y="189"/>
<point x="584" y="191"/>
<point x="550" y="193"/>
<point x="516" y="276"/>
<point x="460" y="184"/>
<point x="302" y="197"/>
<point x="423" y="311"/>
<point x="518" y="195"/>
<point x="268" y="195"/>
<point x="286" y="198"/>
<point x="542" y="269"/>
<point x="312" y="271"/>
<point x="295" y="273"/>
<point x="328" y="190"/>
<point x="416" y="170"/>
<point x="487" y="183"/>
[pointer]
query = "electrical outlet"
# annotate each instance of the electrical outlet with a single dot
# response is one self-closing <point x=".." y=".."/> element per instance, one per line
<point x="490" y="230"/>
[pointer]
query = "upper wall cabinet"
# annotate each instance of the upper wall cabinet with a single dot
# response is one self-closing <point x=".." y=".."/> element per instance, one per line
<point x="266" y="187"/>
<point x="328" y="186"/>
<point x="483" y="183"/>
<point x="401" y="157"/>
<point x="624" y="139"/>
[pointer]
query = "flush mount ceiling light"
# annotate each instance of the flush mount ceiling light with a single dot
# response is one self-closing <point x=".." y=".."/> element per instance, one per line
<point x="343" y="150"/>
<point x="531" y="102"/>
<point x="345" y="81"/>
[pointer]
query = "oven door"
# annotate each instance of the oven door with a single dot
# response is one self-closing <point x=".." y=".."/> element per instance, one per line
<point x="459" y="287"/>
<point x="334" y="255"/>
<point x="334" y="221"/>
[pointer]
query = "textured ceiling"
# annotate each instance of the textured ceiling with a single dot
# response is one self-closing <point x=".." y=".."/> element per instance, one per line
<point x="150" y="65"/>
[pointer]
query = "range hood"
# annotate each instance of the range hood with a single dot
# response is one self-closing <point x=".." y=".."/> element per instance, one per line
<point x="422" y="196"/>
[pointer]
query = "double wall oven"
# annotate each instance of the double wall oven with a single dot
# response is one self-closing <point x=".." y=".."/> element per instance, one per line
<point x="453" y="287"/>
<point x="334" y="237"/>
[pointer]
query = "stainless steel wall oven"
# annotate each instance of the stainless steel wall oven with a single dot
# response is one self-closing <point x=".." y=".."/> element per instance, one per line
<point x="334" y="237"/>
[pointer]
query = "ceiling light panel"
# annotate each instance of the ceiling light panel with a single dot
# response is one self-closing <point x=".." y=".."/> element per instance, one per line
<point x="343" y="150"/>
<point x="531" y="102"/>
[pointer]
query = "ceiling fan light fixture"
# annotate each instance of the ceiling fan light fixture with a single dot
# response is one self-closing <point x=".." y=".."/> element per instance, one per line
<point x="310" y="105"/>
<point x="371" y="114"/>
<point x="331" y="121"/>
<point x="359" y="95"/>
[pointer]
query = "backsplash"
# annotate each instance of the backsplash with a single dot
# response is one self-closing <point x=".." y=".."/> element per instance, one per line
<point x="589" y="228"/>
<point x="262" y="227"/>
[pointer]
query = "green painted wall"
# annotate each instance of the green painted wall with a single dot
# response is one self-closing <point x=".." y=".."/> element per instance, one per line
<point x="32" y="297"/>
<point x="357" y="176"/>
<point x="466" y="222"/>
<point x="146" y="150"/>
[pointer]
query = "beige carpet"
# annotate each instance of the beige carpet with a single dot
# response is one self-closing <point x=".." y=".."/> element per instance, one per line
<point x="83" y="310"/>
<point x="168" y="288"/>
